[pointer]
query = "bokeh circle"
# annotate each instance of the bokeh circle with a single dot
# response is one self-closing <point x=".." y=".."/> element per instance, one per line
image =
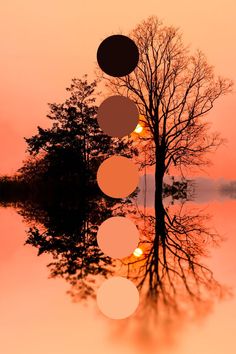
<point x="118" y="237"/>
<point x="118" y="116"/>
<point x="117" y="176"/>
<point x="117" y="55"/>
<point x="117" y="298"/>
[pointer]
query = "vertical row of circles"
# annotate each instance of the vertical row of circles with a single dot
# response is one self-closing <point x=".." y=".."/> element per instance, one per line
<point x="117" y="177"/>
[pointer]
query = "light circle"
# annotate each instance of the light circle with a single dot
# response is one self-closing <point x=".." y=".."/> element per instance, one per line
<point x="117" y="177"/>
<point x="117" y="298"/>
<point x="118" y="237"/>
<point x="138" y="252"/>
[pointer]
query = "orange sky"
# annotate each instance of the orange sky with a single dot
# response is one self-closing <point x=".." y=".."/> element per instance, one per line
<point x="44" y="44"/>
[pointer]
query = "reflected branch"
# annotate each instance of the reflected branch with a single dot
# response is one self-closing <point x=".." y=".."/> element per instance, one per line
<point x="171" y="270"/>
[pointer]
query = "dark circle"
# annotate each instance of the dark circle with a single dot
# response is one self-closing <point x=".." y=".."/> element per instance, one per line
<point x="118" y="116"/>
<point x="118" y="55"/>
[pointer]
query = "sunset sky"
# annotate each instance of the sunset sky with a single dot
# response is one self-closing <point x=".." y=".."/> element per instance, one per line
<point x="44" y="44"/>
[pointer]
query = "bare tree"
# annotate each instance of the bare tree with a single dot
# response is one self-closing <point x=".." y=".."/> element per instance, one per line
<point x="174" y="91"/>
<point x="171" y="274"/>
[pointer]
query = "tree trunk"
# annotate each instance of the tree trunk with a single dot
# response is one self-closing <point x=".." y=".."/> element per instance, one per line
<point x="159" y="176"/>
<point x="159" y="208"/>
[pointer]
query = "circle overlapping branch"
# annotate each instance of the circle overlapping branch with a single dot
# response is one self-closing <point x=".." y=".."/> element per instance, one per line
<point x="117" y="177"/>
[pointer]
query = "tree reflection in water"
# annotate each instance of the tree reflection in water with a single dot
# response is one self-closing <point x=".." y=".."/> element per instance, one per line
<point x="171" y="275"/>
<point x="174" y="242"/>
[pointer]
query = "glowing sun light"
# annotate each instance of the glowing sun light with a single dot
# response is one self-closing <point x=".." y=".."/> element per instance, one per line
<point x="138" y="129"/>
<point x="138" y="252"/>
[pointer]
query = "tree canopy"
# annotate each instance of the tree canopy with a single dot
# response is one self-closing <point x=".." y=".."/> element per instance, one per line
<point x="174" y="90"/>
<point x="74" y="145"/>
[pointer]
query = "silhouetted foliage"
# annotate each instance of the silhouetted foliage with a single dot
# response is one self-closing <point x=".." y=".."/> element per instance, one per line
<point x="67" y="229"/>
<point x="72" y="149"/>
<point x="58" y="196"/>
<point x="12" y="189"/>
<point x="179" y="189"/>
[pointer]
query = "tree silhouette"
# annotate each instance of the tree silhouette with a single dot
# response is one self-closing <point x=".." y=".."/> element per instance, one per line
<point x="66" y="229"/>
<point x="170" y="275"/>
<point x="174" y="91"/>
<point x="60" y="199"/>
<point x="74" y="146"/>
<point x="171" y="269"/>
<point x="174" y="281"/>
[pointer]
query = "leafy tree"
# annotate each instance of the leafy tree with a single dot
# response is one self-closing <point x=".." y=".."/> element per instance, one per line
<point x="74" y="145"/>
<point x="66" y="229"/>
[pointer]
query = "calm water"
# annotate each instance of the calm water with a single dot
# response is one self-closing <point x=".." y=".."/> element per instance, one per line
<point x="37" y="316"/>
